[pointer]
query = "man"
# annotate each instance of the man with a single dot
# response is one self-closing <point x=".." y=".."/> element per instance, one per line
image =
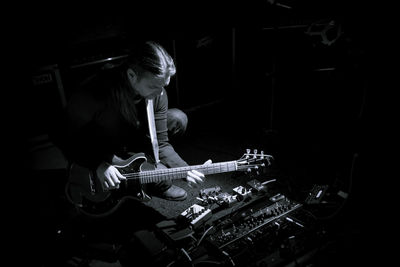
<point x="113" y="113"/>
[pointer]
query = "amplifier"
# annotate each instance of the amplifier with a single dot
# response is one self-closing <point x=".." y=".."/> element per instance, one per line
<point x="251" y="222"/>
<point x="269" y="232"/>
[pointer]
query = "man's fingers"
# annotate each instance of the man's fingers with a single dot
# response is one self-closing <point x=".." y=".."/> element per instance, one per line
<point x="120" y="176"/>
<point x="108" y="185"/>
<point x="191" y="182"/>
<point x="115" y="179"/>
<point x="208" y="162"/>
<point x="110" y="182"/>
<point x="199" y="174"/>
<point x="196" y="176"/>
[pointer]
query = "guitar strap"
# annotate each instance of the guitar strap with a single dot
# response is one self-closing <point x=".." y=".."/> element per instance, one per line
<point x="152" y="129"/>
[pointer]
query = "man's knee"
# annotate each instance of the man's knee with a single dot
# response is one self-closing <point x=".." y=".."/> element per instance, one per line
<point x="177" y="121"/>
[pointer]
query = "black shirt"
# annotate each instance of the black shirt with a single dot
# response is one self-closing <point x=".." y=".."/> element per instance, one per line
<point x="93" y="130"/>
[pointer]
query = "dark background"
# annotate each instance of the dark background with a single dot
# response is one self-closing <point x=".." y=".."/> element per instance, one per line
<point x="252" y="73"/>
<point x="257" y="57"/>
<point x="256" y="67"/>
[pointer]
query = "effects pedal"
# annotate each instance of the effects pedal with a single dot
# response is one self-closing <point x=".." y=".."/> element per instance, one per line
<point x="209" y="195"/>
<point x="243" y="192"/>
<point x="259" y="186"/>
<point x="196" y="215"/>
<point x="227" y="200"/>
<point x="211" y="191"/>
<point x="256" y="185"/>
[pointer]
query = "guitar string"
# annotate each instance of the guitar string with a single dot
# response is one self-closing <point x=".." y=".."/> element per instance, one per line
<point x="237" y="165"/>
<point x="159" y="173"/>
<point x="149" y="178"/>
<point x="184" y="170"/>
<point x="181" y="170"/>
<point x="174" y="171"/>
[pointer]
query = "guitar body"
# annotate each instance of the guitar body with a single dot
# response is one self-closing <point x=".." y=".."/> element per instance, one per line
<point x="85" y="191"/>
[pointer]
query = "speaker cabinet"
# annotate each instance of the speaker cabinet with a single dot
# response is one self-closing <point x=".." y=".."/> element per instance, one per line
<point x="45" y="99"/>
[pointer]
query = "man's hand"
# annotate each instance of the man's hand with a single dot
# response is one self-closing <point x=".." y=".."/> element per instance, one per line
<point x="109" y="176"/>
<point x="194" y="177"/>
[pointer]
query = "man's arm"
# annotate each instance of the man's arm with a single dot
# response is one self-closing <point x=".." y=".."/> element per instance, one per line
<point x="168" y="155"/>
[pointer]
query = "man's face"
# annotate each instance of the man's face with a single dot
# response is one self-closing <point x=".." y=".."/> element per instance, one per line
<point x="148" y="86"/>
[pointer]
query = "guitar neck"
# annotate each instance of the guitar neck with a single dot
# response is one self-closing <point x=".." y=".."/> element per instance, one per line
<point x="181" y="172"/>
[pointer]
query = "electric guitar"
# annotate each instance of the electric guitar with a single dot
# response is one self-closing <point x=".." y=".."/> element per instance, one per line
<point x="85" y="192"/>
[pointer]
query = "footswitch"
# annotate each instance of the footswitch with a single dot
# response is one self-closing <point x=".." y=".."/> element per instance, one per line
<point x="196" y="215"/>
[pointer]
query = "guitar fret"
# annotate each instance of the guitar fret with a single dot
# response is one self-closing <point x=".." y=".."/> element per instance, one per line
<point x="181" y="172"/>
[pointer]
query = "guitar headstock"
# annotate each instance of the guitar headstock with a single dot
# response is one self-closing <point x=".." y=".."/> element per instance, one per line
<point x="253" y="160"/>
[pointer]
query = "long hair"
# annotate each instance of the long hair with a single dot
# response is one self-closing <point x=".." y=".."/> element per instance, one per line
<point x="146" y="57"/>
<point x="151" y="57"/>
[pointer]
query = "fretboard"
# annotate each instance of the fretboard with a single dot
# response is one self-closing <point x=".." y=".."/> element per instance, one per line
<point x="181" y="172"/>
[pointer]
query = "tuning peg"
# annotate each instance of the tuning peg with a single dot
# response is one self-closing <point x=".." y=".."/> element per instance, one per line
<point x="247" y="153"/>
<point x="255" y="153"/>
<point x="262" y="153"/>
